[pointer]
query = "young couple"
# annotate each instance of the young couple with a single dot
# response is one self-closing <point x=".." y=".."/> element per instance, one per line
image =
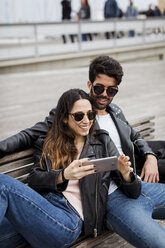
<point x="66" y="198"/>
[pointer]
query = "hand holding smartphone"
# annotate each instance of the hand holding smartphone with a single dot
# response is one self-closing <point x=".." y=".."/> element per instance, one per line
<point x="104" y="164"/>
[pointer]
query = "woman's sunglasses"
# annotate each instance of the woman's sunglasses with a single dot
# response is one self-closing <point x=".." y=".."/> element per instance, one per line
<point x="99" y="89"/>
<point x="78" y="116"/>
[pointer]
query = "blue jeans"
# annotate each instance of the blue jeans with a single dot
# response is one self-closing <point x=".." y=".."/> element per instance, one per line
<point x="26" y="216"/>
<point x="133" y="219"/>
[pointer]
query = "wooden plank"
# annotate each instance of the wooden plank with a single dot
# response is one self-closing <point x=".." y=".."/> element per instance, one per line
<point x="16" y="156"/>
<point x="141" y="120"/>
<point x="92" y="242"/>
<point x="20" y="171"/>
<point x="147" y="132"/>
<point x="15" y="165"/>
<point x="144" y="126"/>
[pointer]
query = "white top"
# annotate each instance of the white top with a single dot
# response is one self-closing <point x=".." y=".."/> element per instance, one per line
<point x="72" y="194"/>
<point x="105" y="122"/>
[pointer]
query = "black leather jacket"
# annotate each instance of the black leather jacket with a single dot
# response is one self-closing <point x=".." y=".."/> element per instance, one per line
<point x="93" y="188"/>
<point x="131" y="141"/>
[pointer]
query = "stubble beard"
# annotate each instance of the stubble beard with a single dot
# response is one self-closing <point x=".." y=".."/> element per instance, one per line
<point x="95" y="104"/>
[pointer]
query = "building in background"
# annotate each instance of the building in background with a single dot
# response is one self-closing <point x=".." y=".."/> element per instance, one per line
<point x="23" y="11"/>
<point x="162" y="6"/>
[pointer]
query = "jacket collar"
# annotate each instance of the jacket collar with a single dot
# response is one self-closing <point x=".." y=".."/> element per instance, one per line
<point x="92" y="141"/>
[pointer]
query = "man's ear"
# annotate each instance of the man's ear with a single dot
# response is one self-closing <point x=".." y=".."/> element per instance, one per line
<point x="89" y="85"/>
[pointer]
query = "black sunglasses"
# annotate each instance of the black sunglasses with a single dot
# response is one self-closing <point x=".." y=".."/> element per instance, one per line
<point x="78" y="116"/>
<point x="99" y="89"/>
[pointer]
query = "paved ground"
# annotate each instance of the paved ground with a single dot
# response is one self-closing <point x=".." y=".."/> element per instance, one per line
<point x="27" y="98"/>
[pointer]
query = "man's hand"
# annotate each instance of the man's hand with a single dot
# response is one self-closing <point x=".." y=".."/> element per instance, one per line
<point x="150" y="171"/>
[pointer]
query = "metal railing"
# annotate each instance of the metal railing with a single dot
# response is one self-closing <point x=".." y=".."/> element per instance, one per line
<point x="45" y="39"/>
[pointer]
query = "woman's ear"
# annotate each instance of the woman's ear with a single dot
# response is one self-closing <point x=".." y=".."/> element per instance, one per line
<point x="65" y="121"/>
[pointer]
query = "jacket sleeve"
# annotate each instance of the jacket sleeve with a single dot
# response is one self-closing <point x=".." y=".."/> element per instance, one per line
<point x="138" y="141"/>
<point x="132" y="189"/>
<point x="26" y="138"/>
<point x="44" y="179"/>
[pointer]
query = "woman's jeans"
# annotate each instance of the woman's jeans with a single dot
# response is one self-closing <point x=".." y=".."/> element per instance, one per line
<point x="133" y="219"/>
<point x="26" y="216"/>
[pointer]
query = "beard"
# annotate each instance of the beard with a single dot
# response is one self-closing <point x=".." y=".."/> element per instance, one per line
<point x="98" y="105"/>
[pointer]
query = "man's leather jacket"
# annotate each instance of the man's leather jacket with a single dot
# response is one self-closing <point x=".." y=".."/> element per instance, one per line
<point x="31" y="137"/>
<point x="93" y="188"/>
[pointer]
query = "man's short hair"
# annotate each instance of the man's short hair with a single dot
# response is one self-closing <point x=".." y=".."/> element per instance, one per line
<point x="107" y="66"/>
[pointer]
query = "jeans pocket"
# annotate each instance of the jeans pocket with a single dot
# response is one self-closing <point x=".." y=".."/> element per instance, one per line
<point x="70" y="215"/>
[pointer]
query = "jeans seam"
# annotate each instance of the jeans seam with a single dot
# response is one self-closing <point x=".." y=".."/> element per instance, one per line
<point x="8" y="236"/>
<point x="71" y="208"/>
<point x="39" y="208"/>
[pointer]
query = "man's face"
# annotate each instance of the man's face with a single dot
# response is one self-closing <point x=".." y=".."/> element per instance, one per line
<point x="101" y="100"/>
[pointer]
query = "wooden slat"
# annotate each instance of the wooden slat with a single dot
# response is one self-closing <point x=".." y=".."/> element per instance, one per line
<point x="17" y="156"/>
<point x="147" y="132"/>
<point x="20" y="171"/>
<point x="144" y="126"/>
<point x="141" y="120"/>
<point x="16" y="164"/>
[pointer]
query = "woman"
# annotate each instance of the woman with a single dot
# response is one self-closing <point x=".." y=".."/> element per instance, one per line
<point x="85" y="14"/>
<point x="72" y="197"/>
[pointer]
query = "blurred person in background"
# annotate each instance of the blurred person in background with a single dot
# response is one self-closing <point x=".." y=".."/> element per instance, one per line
<point x="66" y="16"/>
<point x="131" y="12"/>
<point x="157" y="11"/>
<point x="150" y="11"/>
<point x="85" y="14"/>
<point x="111" y="10"/>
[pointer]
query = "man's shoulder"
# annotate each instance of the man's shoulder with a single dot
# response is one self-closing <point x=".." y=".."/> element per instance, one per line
<point x="114" y="108"/>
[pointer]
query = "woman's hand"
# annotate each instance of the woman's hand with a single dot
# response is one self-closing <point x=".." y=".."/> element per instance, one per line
<point x="76" y="170"/>
<point x="124" y="166"/>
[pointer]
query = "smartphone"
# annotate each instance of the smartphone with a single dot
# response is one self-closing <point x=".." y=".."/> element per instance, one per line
<point x="104" y="164"/>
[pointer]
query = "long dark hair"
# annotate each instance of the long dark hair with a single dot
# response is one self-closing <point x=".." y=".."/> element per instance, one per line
<point x="59" y="143"/>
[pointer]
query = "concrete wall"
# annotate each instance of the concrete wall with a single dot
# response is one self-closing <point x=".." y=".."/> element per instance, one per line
<point x="154" y="51"/>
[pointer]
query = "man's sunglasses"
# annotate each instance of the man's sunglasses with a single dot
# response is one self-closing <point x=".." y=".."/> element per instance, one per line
<point x="78" y="116"/>
<point x="99" y="89"/>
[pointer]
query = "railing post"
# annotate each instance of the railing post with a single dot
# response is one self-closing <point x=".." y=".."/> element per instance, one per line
<point x="144" y="31"/>
<point x="115" y="32"/>
<point x="79" y="36"/>
<point x="36" y="41"/>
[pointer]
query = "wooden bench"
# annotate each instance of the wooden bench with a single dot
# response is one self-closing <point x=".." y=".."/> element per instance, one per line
<point x="18" y="165"/>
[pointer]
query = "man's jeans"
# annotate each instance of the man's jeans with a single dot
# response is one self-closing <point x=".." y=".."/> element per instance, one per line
<point x="48" y="221"/>
<point x="133" y="219"/>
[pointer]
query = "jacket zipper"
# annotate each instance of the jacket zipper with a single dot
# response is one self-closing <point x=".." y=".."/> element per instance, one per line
<point x="134" y="159"/>
<point x="104" y="184"/>
<point x="133" y="154"/>
<point x="95" y="229"/>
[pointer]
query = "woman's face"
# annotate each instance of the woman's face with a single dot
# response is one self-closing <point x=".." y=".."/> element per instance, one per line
<point x="78" y="119"/>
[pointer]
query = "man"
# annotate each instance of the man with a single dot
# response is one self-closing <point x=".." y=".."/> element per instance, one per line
<point x="111" y="10"/>
<point x="108" y="75"/>
<point x="130" y="218"/>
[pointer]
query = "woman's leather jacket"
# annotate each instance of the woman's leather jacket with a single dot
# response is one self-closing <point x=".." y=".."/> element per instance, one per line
<point x="93" y="188"/>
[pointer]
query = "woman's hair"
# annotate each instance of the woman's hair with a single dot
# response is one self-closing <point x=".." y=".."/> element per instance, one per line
<point x="59" y="143"/>
<point x="107" y="66"/>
